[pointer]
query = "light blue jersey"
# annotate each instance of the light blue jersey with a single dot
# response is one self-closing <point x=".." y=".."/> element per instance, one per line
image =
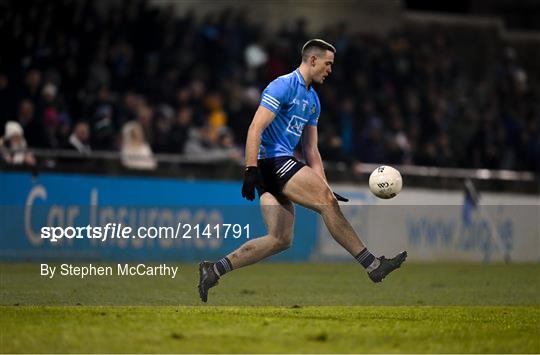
<point x="295" y="106"/>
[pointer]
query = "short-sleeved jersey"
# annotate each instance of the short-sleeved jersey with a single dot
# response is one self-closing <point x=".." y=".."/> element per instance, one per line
<point x="295" y="106"/>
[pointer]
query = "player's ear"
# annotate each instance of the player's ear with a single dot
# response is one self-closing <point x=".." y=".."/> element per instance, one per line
<point x="312" y="60"/>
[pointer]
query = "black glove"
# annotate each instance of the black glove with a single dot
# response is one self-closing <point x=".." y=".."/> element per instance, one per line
<point x="251" y="177"/>
<point x="341" y="198"/>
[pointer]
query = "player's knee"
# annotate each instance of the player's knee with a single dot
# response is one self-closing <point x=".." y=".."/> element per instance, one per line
<point x="326" y="202"/>
<point x="281" y="243"/>
<point x="328" y="198"/>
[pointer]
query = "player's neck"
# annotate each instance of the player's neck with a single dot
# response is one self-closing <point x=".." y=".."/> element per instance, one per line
<point x="305" y="74"/>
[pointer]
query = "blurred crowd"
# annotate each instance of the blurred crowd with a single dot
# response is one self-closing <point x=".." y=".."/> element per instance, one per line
<point x="139" y="80"/>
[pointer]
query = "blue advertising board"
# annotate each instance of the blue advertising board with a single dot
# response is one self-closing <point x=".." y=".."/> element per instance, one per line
<point x="206" y="219"/>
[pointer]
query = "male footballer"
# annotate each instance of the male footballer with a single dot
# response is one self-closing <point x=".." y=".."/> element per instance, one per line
<point x="289" y="110"/>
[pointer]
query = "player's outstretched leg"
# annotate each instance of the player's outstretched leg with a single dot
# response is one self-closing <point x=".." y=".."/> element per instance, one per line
<point x="279" y="218"/>
<point x="310" y="190"/>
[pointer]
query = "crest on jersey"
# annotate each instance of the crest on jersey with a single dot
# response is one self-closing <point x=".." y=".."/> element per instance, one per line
<point x="305" y="103"/>
<point x="313" y="109"/>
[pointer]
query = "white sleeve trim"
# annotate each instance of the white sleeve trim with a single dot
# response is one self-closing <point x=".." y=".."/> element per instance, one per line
<point x="269" y="103"/>
<point x="271" y="98"/>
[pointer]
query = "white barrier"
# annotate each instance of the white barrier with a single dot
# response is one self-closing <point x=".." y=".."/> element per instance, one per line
<point x="432" y="226"/>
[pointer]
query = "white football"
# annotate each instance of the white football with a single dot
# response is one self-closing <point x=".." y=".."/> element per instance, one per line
<point x="385" y="182"/>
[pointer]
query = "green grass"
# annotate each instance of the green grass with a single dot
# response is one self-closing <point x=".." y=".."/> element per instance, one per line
<point x="324" y="329"/>
<point x="283" y="308"/>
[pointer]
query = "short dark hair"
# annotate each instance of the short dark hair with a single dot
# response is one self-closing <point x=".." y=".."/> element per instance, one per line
<point x="316" y="44"/>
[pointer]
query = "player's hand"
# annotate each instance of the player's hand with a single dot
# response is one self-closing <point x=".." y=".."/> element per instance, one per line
<point x="251" y="175"/>
<point x="341" y="198"/>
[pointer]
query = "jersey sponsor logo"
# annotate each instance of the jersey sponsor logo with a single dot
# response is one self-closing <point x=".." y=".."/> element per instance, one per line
<point x="296" y="125"/>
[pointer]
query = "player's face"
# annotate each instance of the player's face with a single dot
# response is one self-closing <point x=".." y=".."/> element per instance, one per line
<point x="323" y="67"/>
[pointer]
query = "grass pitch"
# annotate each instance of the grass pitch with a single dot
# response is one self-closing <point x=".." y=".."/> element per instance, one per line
<point x="284" y="308"/>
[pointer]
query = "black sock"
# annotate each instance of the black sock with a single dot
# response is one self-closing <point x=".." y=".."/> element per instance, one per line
<point x="222" y="266"/>
<point x="367" y="259"/>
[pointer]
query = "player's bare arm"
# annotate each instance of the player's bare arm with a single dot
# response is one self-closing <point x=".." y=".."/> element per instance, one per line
<point x="263" y="117"/>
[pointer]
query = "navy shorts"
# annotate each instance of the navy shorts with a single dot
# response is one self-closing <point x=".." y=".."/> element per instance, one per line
<point x="275" y="172"/>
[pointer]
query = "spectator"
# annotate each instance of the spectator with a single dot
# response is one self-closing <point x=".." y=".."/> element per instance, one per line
<point x="136" y="152"/>
<point x="164" y="122"/>
<point x="200" y="146"/>
<point x="145" y="118"/>
<point x="116" y="66"/>
<point x="217" y="119"/>
<point x="55" y="120"/>
<point x="103" y="123"/>
<point x="226" y="143"/>
<point x="32" y="85"/>
<point x="13" y="146"/>
<point x="79" y="139"/>
<point x="398" y="145"/>
<point x="33" y="129"/>
<point x="346" y="124"/>
<point x="181" y="129"/>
